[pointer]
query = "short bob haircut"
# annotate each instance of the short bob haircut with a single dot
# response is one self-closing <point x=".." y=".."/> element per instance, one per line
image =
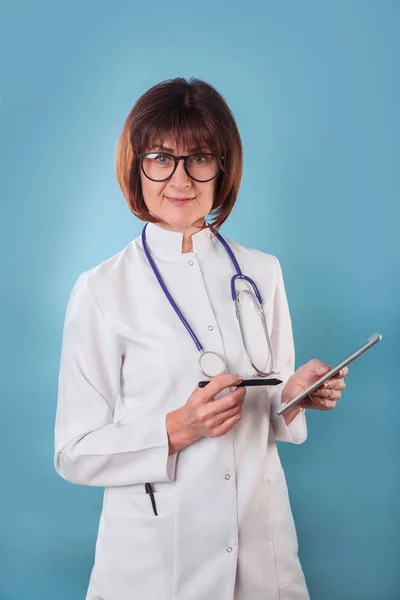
<point x="195" y="116"/>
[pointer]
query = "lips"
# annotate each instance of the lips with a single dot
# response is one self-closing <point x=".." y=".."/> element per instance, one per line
<point x="179" y="200"/>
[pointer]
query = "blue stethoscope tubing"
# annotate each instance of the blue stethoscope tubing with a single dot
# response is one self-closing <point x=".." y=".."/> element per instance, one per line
<point x="235" y="298"/>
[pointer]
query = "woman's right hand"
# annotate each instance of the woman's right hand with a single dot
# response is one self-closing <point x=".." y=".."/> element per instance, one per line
<point x="203" y="416"/>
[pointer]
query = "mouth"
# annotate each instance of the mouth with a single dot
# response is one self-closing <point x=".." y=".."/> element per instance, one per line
<point x="179" y="201"/>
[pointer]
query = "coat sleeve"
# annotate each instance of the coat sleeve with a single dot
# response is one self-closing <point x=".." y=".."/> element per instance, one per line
<point x="90" y="448"/>
<point x="282" y="343"/>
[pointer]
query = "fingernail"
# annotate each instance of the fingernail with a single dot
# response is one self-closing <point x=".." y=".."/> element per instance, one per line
<point x="239" y="378"/>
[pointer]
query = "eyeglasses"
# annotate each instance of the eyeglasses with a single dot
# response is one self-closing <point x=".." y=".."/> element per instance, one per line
<point x="160" y="166"/>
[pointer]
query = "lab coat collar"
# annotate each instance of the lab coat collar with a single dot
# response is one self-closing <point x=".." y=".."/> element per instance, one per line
<point x="168" y="244"/>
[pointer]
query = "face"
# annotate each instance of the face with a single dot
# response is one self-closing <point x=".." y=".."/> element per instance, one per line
<point x="180" y="203"/>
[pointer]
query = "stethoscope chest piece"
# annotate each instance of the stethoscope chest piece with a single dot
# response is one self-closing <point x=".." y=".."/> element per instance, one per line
<point x="211" y="364"/>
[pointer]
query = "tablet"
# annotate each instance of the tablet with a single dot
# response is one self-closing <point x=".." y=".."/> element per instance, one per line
<point x="374" y="339"/>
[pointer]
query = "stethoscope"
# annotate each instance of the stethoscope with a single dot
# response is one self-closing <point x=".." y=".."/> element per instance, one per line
<point x="210" y="363"/>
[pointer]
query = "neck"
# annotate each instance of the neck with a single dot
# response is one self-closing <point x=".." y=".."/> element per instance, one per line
<point x="187" y="244"/>
<point x="187" y="232"/>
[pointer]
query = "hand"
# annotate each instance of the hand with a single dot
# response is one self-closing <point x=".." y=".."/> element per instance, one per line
<point x="203" y="416"/>
<point x="323" y="398"/>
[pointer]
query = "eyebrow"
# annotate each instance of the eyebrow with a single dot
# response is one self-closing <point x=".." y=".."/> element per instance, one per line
<point x="171" y="150"/>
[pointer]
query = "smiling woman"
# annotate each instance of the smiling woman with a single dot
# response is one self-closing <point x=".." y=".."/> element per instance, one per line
<point x="179" y="188"/>
<point x="217" y="523"/>
<point x="200" y="130"/>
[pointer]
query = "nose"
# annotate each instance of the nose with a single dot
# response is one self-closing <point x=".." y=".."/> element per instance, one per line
<point x="180" y="179"/>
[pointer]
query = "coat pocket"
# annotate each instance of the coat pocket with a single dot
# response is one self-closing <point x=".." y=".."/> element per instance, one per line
<point x="135" y="549"/>
<point x="284" y="537"/>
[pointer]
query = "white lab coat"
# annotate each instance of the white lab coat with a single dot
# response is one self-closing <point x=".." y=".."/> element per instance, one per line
<point x="224" y="528"/>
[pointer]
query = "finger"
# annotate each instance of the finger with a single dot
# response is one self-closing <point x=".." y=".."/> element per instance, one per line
<point x="333" y="384"/>
<point x="327" y="385"/>
<point x="321" y="393"/>
<point x="226" y="426"/>
<point x="318" y="367"/>
<point x="326" y="405"/>
<point x="220" y="418"/>
<point x="219" y="383"/>
<point x="235" y="398"/>
<point x="326" y="395"/>
<point x="342" y="373"/>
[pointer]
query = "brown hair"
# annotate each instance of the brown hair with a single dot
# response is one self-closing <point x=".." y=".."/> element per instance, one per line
<point x="195" y="115"/>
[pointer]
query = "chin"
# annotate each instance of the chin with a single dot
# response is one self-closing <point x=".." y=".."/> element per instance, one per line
<point x="182" y="221"/>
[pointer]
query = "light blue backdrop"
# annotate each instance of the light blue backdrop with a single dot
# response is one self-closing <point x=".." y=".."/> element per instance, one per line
<point x="315" y="90"/>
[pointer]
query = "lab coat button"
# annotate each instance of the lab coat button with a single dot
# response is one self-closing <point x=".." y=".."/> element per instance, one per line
<point x="227" y="476"/>
<point x="191" y="262"/>
<point x="229" y="549"/>
<point x="210" y="328"/>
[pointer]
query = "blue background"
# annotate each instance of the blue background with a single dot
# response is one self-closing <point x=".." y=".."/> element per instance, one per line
<point x="314" y="87"/>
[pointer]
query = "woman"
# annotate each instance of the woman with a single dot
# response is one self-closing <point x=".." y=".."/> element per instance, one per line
<point x="196" y="504"/>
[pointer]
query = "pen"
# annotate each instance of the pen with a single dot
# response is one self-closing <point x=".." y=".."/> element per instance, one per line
<point x="149" y="490"/>
<point x="249" y="382"/>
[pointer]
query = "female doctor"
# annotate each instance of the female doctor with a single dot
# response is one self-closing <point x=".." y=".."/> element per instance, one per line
<point x="195" y="505"/>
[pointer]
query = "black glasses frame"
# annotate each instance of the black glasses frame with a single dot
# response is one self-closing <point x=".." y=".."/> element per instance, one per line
<point x="185" y="158"/>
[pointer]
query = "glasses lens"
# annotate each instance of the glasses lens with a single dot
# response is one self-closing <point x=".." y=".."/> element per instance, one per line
<point x="202" y="166"/>
<point x="158" y="166"/>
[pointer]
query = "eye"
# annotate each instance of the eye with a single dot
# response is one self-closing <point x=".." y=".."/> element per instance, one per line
<point x="160" y="159"/>
<point x="200" y="159"/>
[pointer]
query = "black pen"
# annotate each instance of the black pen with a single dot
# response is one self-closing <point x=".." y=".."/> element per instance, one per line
<point x="249" y="382"/>
<point x="149" y="490"/>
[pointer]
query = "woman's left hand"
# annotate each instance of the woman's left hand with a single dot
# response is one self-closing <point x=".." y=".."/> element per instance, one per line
<point x="324" y="397"/>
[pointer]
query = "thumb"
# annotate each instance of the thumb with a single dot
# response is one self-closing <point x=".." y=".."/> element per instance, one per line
<point x="318" y="367"/>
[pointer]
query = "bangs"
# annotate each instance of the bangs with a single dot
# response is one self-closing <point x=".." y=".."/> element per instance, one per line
<point x="186" y="128"/>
